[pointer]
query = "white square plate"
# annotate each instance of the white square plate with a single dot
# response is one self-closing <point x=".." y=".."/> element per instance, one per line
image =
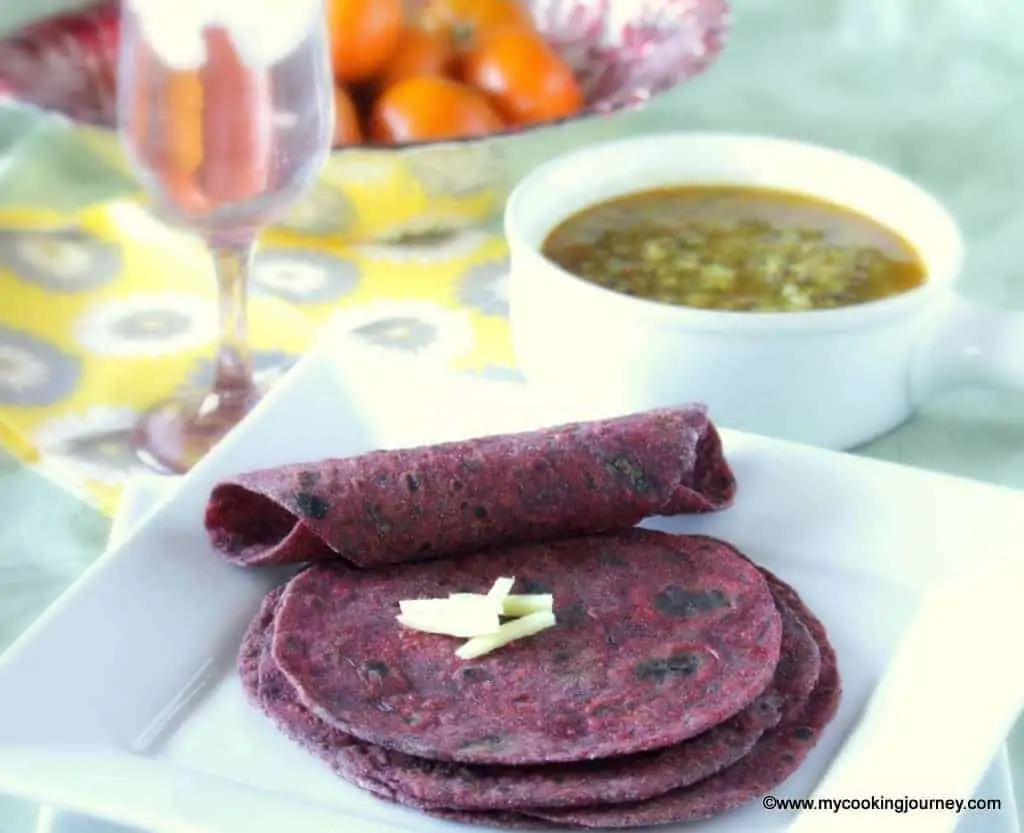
<point x="122" y="701"/>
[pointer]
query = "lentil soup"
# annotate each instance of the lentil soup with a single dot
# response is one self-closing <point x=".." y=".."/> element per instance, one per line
<point x="735" y="248"/>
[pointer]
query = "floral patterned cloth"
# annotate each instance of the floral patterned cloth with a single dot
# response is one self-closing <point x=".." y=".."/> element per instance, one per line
<point x="108" y="312"/>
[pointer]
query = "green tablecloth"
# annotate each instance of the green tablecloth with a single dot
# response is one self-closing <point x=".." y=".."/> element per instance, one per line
<point x="931" y="88"/>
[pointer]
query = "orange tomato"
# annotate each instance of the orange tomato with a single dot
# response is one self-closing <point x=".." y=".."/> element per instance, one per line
<point x="421" y="52"/>
<point x="430" y="108"/>
<point x="523" y="76"/>
<point x="468" y="18"/>
<point x="364" y="35"/>
<point x="347" y="130"/>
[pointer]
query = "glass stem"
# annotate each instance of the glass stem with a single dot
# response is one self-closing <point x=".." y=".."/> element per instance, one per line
<point x="232" y="376"/>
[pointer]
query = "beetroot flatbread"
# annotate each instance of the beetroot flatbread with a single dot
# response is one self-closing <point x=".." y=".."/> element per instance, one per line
<point x="411" y="780"/>
<point x="659" y="637"/>
<point x="776" y="756"/>
<point x="404" y="505"/>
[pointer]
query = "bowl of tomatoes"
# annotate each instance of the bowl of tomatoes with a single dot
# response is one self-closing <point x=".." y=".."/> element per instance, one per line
<point x="432" y="96"/>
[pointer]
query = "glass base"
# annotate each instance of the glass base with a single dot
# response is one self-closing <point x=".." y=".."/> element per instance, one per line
<point x="175" y="435"/>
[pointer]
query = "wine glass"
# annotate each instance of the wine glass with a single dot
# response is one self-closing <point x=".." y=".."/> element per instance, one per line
<point x="225" y="122"/>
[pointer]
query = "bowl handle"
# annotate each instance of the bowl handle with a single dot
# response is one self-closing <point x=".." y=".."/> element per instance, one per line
<point x="972" y="344"/>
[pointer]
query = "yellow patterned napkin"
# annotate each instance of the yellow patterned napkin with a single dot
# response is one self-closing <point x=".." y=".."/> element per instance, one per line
<point x="105" y="313"/>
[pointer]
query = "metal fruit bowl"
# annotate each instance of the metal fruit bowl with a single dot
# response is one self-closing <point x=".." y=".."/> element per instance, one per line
<point x="624" y="52"/>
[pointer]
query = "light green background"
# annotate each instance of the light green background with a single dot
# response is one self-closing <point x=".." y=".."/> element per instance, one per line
<point x="930" y="87"/>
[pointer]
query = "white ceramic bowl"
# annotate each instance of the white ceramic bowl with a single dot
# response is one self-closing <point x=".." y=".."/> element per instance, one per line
<point x="833" y="378"/>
